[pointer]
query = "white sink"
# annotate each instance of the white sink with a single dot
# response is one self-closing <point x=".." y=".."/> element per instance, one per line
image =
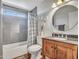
<point x="56" y="38"/>
<point x="59" y="38"/>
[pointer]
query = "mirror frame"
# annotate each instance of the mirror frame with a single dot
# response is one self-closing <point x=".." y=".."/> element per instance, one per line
<point x="73" y="3"/>
<point x="55" y="13"/>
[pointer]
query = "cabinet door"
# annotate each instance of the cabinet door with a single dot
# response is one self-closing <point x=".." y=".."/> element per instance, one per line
<point x="61" y="52"/>
<point x="66" y="51"/>
<point x="49" y="49"/>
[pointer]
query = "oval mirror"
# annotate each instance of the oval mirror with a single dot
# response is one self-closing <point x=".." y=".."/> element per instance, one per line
<point x="65" y="18"/>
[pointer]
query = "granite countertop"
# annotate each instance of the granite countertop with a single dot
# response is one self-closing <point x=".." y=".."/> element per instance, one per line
<point x="62" y="40"/>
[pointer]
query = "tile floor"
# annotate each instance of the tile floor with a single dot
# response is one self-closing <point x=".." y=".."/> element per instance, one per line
<point x="24" y="57"/>
<point x="21" y="57"/>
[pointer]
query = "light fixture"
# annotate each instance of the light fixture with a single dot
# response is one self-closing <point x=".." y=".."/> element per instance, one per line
<point x="66" y="0"/>
<point x="54" y="5"/>
<point x="59" y="2"/>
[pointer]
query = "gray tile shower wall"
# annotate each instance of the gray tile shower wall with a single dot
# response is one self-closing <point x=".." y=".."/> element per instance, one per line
<point x="14" y="28"/>
<point x="35" y="28"/>
<point x="34" y="12"/>
<point x="0" y="51"/>
<point x="10" y="30"/>
<point x="32" y="33"/>
<point x="0" y="34"/>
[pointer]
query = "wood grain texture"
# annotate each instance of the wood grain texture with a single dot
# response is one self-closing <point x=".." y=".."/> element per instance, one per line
<point x="59" y="50"/>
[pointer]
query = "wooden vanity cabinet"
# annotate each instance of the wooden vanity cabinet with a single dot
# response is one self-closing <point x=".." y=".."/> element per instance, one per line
<point x="58" y="50"/>
<point x="49" y="49"/>
<point x="61" y="52"/>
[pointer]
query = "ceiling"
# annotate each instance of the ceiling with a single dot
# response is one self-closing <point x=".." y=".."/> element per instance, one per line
<point x="42" y="5"/>
<point x="30" y="4"/>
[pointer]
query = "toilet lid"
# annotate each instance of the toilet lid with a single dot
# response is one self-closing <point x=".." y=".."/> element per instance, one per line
<point x="34" y="48"/>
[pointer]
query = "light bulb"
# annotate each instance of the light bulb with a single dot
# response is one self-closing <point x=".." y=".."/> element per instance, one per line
<point x="59" y="2"/>
<point x="54" y="5"/>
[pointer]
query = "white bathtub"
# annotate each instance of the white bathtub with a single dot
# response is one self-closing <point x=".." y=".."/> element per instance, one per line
<point x="15" y="49"/>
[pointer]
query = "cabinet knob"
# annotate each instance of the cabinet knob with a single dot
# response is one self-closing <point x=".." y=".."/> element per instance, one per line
<point x="55" y="58"/>
<point x="51" y="46"/>
<point x="55" y="48"/>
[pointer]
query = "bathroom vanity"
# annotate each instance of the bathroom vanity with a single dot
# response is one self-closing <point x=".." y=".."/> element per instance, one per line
<point x="59" y="49"/>
<point x="63" y="43"/>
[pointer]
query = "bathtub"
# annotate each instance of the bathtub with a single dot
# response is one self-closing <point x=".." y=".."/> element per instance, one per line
<point x="15" y="49"/>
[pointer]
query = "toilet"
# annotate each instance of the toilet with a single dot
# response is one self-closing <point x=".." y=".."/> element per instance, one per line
<point x="35" y="50"/>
